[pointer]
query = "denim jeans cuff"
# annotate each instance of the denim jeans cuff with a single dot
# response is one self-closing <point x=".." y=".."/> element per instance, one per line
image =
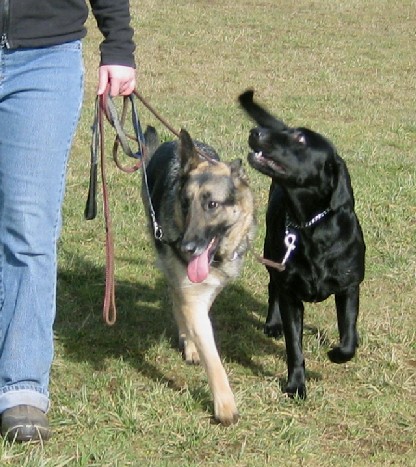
<point x="13" y="397"/>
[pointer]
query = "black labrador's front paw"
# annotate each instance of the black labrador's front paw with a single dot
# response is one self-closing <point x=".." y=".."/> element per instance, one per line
<point x="273" y="330"/>
<point x="296" y="386"/>
<point x="296" y="391"/>
<point x="341" y="355"/>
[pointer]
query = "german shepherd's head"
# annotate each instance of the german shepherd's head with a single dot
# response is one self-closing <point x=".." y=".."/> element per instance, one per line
<point x="204" y="206"/>
<point x="214" y="209"/>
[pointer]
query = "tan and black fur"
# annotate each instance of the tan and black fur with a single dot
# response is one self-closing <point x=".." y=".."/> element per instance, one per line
<point x="205" y="210"/>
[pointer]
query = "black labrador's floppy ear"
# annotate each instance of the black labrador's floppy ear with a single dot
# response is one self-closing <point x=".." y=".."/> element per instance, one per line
<point x="342" y="194"/>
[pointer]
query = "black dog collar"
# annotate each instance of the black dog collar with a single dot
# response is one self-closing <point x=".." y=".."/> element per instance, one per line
<point x="291" y="237"/>
<point x="310" y="223"/>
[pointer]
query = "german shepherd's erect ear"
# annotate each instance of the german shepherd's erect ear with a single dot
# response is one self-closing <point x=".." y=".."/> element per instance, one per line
<point x="237" y="170"/>
<point x="189" y="157"/>
<point x="152" y="140"/>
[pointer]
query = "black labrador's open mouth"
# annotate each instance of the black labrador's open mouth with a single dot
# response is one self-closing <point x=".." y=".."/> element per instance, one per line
<point x="260" y="159"/>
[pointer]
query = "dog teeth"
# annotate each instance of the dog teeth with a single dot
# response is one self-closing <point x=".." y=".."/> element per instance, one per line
<point x="259" y="154"/>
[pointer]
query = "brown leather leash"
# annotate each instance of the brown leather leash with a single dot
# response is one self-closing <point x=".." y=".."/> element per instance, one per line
<point x="105" y="109"/>
<point x="98" y="147"/>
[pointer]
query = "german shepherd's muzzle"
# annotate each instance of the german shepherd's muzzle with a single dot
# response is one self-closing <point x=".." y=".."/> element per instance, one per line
<point x="205" y="210"/>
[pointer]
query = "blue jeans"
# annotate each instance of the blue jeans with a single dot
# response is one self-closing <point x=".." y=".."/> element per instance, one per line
<point x="41" y="92"/>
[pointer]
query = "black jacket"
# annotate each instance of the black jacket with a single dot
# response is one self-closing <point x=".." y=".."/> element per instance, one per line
<point x="37" y="23"/>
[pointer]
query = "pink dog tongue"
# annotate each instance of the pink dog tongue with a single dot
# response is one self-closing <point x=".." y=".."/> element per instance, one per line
<point x="198" y="267"/>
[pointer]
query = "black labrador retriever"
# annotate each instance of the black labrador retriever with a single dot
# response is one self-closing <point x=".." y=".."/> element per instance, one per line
<point x="314" y="245"/>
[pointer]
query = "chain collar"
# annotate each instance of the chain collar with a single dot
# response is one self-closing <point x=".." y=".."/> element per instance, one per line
<point x="310" y="223"/>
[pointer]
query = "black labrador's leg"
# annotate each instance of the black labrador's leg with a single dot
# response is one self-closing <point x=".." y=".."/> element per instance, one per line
<point x="274" y="250"/>
<point x="273" y="326"/>
<point x="292" y="318"/>
<point x="347" y="304"/>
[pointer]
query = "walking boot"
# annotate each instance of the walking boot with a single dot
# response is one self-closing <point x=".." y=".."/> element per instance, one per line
<point x="24" y="423"/>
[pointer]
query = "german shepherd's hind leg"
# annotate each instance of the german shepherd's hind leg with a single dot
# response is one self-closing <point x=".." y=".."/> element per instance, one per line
<point x="195" y="308"/>
<point x="347" y="304"/>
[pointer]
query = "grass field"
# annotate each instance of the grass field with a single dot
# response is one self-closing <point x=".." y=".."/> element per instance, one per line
<point x="121" y="395"/>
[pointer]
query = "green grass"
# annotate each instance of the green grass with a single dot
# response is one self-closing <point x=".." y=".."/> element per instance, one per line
<point x="122" y="395"/>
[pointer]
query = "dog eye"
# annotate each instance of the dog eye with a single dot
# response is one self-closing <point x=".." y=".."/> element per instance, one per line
<point x="300" y="138"/>
<point x="212" y="205"/>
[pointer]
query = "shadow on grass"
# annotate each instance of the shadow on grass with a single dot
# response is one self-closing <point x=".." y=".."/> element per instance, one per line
<point x="144" y="318"/>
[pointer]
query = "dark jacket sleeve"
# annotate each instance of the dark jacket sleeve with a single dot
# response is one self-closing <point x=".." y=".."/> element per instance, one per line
<point x="113" y="20"/>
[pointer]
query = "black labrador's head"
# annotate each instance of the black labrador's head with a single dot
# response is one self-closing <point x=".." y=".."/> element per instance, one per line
<point x="295" y="157"/>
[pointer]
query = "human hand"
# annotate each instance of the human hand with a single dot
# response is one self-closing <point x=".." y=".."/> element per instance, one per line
<point x="122" y="80"/>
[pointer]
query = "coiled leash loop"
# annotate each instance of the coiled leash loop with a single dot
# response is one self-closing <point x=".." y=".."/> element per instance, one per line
<point x="104" y="106"/>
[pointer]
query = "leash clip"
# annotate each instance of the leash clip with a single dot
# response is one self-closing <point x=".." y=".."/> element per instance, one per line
<point x="290" y="240"/>
<point x="157" y="231"/>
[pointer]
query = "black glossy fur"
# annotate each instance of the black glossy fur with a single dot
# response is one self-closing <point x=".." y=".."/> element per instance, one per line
<point x="308" y="178"/>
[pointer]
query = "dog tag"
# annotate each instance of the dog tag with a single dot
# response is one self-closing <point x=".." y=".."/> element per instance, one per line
<point x="290" y="240"/>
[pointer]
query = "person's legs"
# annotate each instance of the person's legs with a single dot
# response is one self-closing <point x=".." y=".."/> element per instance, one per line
<point x="40" y="100"/>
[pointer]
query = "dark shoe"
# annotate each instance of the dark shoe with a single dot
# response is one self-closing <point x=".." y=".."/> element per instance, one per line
<point x="24" y="423"/>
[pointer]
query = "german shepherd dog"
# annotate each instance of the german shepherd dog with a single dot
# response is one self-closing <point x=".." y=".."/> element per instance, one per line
<point x="313" y="238"/>
<point x="206" y="213"/>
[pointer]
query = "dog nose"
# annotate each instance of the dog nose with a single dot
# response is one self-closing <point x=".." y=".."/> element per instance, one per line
<point x="189" y="246"/>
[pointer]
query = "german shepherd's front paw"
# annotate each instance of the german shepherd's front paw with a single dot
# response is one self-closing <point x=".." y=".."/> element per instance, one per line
<point x="189" y="351"/>
<point x="225" y="410"/>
